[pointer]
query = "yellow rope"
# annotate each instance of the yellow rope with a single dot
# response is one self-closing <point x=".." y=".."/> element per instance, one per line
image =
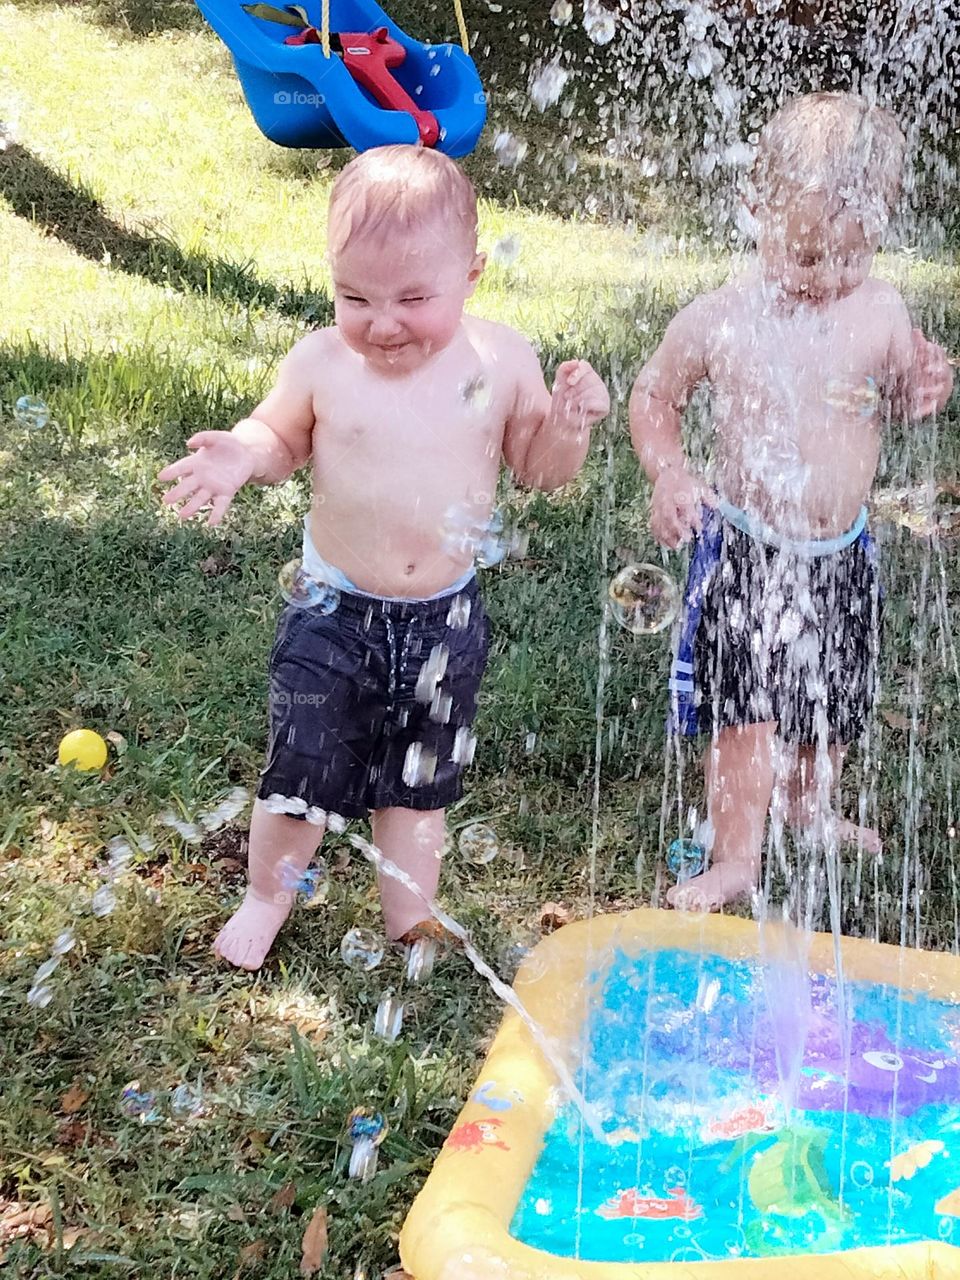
<point x="461" y="23"/>
<point x="325" y="28"/>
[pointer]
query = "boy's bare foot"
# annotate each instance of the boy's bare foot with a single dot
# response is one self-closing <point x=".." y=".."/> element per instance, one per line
<point x="865" y="838"/>
<point x="723" y="883"/>
<point x="249" y="933"/>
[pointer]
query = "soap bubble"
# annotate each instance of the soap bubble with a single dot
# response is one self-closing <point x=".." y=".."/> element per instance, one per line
<point x="477" y="392"/>
<point x="361" y="949"/>
<point x="561" y="14"/>
<point x="388" y="1022"/>
<point x="478" y="844"/>
<point x="506" y="251"/>
<point x="103" y="901"/>
<point x="228" y="809"/>
<point x="421" y="957"/>
<point x="547" y="86"/>
<point x="186" y="1103"/>
<point x="64" y="942"/>
<point x="39" y="997"/>
<point x="314" y="885"/>
<point x="644" y="599"/>
<point x="31" y="412"/>
<point x="188" y="831"/>
<point x="119" y="856"/>
<point x="304" y="592"/>
<point x="138" y="1104"/>
<point x="685" y="858"/>
<point x="419" y="765"/>
<point x="509" y="149"/>
<point x="599" y="25"/>
<point x="859" y="398"/>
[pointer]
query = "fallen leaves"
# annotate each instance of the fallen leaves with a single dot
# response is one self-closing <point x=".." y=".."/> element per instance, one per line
<point x="250" y="1255"/>
<point x="34" y="1222"/>
<point x="282" y="1199"/>
<point x="314" y="1242"/>
<point x="73" y="1099"/>
<point x="553" y="915"/>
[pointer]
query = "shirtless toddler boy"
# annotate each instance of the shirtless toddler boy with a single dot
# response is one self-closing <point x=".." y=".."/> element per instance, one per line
<point x="404" y="407"/>
<point x="806" y="357"/>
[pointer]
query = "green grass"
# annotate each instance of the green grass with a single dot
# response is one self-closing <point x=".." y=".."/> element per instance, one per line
<point x="159" y="257"/>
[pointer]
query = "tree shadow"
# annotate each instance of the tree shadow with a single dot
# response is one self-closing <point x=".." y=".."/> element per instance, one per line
<point x="134" y="18"/>
<point x="70" y="212"/>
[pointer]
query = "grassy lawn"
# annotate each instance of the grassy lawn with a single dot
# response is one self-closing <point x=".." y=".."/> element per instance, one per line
<point x="159" y="256"/>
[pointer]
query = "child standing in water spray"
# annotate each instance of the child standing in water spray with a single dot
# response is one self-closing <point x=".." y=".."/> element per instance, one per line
<point x="404" y="408"/>
<point x="806" y="357"/>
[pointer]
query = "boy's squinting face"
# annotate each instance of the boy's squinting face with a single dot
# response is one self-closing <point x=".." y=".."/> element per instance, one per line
<point x="399" y="302"/>
<point x="816" y="253"/>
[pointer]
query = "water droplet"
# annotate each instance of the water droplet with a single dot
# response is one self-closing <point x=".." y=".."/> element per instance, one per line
<point x="700" y="63"/>
<point x="295" y="806"/>
<point x="644" y="599"/>
<point x="336" y="825"/>
<point x="186" y="1103"/>
<point x="361" y="949"/>
<point x="570" y="164"/>
<point x="367" y="1129"/>
<point x="304" y="592"/>
<point x="119" y="856"/>
<point x="103" y="901"/>
<point x="39" y="997"/>
<point x="464" y="747"/>
<point x="421" y="957"/>
<point x="530" y="743"/>
<point x="64" y="942"/>
<point x="138" y="1104"/>
<point x="509" y="149"/>
<point x="478" y="844"/>
<point x="45" y="970"/>
<point x="599" y="25"/>
<point x="547" y="86"/>
<point x="31" y="412"/>
<point x="388" y="1022"/>
<point x="441" y="707"/>
<point x="419" y="765"/>
<point x="431" y="673"/>
<point x="561" y="13"/>
<point x="458" y="615"/>
<point x="506" y="251"/>
<point x="188" y="831"/>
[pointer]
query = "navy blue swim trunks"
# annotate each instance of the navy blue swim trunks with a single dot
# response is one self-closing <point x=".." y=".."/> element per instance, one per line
<point x="371" y="705"/>
<point x="768" y="634"/>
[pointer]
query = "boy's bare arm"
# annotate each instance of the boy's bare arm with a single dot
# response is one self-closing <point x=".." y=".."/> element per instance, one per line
<point x="279" y="431"/>
<point x="659" y="397"/>
<point x="546" y="437"/>
<point x="920" y="376"/>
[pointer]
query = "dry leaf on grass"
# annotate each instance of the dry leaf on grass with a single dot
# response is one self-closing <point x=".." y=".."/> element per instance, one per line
<point x="73" y="1099"/>
<point x="250" y="1255"/>
<point x="314" y="1242"/>
<point x="283" y="1198"/>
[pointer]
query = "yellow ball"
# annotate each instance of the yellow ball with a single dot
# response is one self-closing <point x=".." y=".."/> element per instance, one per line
<point x="84" y="749"/>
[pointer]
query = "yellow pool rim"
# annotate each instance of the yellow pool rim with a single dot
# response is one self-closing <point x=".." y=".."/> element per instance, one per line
<point x="458" y="1227"/>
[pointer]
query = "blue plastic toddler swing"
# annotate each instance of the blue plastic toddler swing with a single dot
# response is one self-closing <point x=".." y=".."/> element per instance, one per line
<point x="351" y="78"/>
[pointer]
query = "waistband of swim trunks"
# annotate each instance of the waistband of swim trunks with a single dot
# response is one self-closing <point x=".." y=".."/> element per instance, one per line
<point x="323" y="571"/>
<point x="762" y="532"/>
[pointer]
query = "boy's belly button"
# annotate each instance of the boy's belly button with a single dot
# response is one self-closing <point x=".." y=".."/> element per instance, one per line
<point x="409" y="569"/>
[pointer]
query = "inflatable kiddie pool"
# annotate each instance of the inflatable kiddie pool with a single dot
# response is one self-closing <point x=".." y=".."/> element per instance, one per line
<point x="758" y="1117"/>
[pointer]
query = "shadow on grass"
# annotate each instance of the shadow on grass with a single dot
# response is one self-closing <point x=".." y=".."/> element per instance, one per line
<point x="72" y="213"/>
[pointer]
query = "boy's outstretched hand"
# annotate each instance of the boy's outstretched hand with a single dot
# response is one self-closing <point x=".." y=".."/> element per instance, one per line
<point x="580" y="399"/>
<point x="675" y="507"/>
<point x="931" y="378"/>
<point x="211" y="476"/>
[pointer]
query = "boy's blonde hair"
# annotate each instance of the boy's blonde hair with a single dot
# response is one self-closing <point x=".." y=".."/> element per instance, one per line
<point x="402" y="189"/>
<point x="837" y="144"/>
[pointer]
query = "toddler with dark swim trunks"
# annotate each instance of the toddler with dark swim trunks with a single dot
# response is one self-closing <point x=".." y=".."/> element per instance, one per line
<point x="404" y="407"/>
<point x="806" y="357"/>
